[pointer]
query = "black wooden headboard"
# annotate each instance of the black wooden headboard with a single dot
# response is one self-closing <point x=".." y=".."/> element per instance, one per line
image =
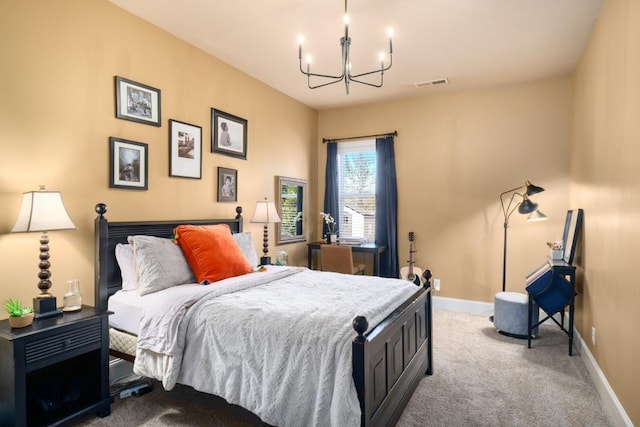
<point x="108" y="234"/>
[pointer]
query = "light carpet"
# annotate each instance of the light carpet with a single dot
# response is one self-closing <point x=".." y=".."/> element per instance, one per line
<point x="481" y="378"/>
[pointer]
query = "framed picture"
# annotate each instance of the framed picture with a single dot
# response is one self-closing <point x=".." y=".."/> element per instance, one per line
<point x="185" y="150"/>
<point x="227" y="185"/>
<point x="128" y="164"/>
<point x="228" y="134"/>
<point x="137" y="102"/>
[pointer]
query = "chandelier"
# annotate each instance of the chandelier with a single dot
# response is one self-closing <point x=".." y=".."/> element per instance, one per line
<point x="346" y="76"/>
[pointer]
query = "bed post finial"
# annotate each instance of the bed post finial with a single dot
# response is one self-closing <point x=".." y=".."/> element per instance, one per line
<point x="360" y="324"/>
<point x="427" y="277"/>
<point x="101" y="209"/>
<point x="238" y="212"/>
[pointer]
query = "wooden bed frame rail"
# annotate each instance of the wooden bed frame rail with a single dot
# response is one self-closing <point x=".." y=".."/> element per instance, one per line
<point x="388" y="362"/>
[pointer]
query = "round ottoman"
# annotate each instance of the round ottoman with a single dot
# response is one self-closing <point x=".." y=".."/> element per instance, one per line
<point x="510" y="314"/>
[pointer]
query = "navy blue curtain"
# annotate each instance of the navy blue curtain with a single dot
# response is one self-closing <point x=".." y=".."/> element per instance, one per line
<point x="331" y="201"/>
<point x="387" y="206"/>
<point x="299" y="206"/>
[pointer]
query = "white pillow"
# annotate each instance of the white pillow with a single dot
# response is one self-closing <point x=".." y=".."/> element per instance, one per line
<point x="246" y="247"/>
<point x="160" y="263"/>
<point x="124" y="256"/>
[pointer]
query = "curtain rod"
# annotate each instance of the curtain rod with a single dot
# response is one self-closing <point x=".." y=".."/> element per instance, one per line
<point x="337" y="140"/>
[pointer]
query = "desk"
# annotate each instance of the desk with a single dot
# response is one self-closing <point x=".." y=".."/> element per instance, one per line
<point x="370" y="248"/>
<point x="567" y="273"/>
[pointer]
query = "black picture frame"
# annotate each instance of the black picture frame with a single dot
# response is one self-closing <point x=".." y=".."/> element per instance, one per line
<point x="227" y="185"/>
<point x="128" y="164"/>
<point x="185" y="150"/>
<point x="137" y="102"/>
<point x="231" y="141"/>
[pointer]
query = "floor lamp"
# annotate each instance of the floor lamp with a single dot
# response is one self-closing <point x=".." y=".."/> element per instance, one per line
<point x="524" y="206"/>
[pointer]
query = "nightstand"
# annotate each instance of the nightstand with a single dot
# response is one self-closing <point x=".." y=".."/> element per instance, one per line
<point x="55" y="370"/>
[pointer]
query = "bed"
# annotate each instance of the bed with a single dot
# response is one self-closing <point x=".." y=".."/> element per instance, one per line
<point x="386" y="360"/>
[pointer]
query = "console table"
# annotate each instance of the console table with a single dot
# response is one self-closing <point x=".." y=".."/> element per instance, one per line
<point x="370" y="248"/>
<point x="558" y="294"/>
<point x="553" y="294"/>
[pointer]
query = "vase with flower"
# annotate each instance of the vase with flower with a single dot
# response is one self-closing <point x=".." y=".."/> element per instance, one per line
<point x="332" y="233"/>
<point x="556" y="249"/>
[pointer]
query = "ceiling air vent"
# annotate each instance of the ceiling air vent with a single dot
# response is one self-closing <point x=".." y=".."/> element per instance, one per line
<point x="433" y="82"/>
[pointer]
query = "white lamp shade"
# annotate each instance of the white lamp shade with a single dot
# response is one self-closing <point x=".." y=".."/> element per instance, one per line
<point x="537" y="216"/>
<point x="266" y="213"/>
<point x="42" y="211"/>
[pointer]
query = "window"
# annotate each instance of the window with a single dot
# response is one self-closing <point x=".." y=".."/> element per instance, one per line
<point x="357" y="189"/>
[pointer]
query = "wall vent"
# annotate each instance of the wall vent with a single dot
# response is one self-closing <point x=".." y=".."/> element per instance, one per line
<point x="435" y="82"/>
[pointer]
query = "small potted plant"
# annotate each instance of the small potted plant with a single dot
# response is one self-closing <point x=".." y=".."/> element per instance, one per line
<point x="556" y="249"/>
<point x="19" y="316"/>
<point x="332" y="236"/>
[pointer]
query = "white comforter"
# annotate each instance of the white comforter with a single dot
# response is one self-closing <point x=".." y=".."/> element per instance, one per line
<point x="276" y="343"/>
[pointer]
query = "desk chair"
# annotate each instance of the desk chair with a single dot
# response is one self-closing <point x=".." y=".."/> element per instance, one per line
<point x="339" y="258"/>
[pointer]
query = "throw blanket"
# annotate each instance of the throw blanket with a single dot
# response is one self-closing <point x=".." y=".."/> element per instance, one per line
<point x="277" y="345"/>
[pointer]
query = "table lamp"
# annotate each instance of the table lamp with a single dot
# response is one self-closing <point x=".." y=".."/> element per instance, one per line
<point x="266" y="214"/>
<point x="43" y="211"/>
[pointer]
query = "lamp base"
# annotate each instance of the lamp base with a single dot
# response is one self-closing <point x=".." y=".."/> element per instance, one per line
<point x="45" y="307"/>
<point x="265" y="260"/>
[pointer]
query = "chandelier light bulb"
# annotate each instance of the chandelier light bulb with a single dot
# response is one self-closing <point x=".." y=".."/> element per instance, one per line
<point x="300" y="39"/>
<point x="390" y="32"/>
<point x="309" y="59"/>
<point x="346" y="19"/>
<point x="381" y="56"/>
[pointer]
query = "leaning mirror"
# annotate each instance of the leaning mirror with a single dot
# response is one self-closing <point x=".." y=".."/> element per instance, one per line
<point x="291" y="193"/>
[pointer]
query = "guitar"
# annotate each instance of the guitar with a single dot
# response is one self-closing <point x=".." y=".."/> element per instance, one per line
<point x="411" y="273"/>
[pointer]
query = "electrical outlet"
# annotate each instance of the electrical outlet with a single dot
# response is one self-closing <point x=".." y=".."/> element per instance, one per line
<point x="593" y="335"/>
<point x="436" y="284"/>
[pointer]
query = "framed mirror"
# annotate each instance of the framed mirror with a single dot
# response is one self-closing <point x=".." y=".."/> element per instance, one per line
<point x="572" y="227"/>
<point x="290" y="200"/>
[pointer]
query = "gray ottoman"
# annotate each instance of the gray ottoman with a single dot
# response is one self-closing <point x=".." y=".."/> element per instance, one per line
<point x="510" y="314"/>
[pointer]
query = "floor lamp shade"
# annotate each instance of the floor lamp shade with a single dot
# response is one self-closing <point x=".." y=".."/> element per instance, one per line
<point x="532" y="189"/>
<point x="537" y="216"/>
<point x="527" y="206"/>
<point x="43" y="211"/>
<point x="266" y="213"/>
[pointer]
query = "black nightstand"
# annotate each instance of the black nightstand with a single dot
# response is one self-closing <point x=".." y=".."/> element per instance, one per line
<point x="55" y="370"/>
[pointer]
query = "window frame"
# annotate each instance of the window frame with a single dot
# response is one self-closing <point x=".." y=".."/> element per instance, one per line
<point x="368" y="220"/>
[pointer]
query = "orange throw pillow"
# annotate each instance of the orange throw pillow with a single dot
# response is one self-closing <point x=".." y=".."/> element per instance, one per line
<point x="211" y="251"/>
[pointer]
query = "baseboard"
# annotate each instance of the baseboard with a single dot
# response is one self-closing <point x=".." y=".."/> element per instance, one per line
<point x="610" y="402"/>
<point x="464" y="306"/>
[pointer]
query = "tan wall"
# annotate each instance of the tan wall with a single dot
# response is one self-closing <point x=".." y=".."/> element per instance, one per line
<point x="605" y="156"/>
<point x="58" y="63"/>
<point x="455" y="154"/>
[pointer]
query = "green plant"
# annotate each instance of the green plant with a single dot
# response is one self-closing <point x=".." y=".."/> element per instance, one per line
<point x="15" y="308"/>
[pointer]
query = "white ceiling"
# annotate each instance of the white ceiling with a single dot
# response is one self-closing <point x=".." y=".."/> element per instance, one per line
<point x="471" y="42"/>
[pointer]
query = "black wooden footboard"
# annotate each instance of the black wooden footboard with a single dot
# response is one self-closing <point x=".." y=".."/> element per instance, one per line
<point x="391" y="359"/>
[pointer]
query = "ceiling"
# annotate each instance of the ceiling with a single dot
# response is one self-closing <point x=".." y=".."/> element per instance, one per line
<point x="472" y="43"/>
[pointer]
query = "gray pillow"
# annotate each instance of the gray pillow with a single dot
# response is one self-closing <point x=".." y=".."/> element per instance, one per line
<point x="160" y="264"/>
<point x="246" y="247"/>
